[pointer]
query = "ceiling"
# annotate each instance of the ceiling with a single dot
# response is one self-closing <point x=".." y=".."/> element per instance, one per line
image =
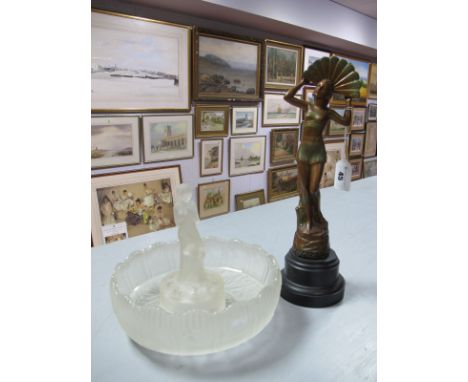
<point x="366" y="7"/>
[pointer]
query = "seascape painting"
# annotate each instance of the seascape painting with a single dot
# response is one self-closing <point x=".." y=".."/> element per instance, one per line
<point x="278" y="112"/>
<point x="244" y="120"/>
<point x="282" y="183"/>
<point x="282" y="65"/>
<point x="247" y="155"/>
<point x="168" y="137"/>
<point x="138" y="64"/>
<point x="211" y="157"/>
<point x="114" y="141"/>
<point x="227" y="68"/>
<point x="213" y="198"/>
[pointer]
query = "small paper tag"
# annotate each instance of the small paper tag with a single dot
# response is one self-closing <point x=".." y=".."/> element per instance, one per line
<point x="114" y="232"/>
<point x="343" y="175"/>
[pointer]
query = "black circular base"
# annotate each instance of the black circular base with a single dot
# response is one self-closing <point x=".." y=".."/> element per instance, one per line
<point x="311" y="282"/>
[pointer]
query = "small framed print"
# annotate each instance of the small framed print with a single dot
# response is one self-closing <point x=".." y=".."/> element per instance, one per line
<point x="283" y="146"/>
<point x="115" y="141"/>
<point x="356" y="144"/>
<point x="369" y="167"/>
<point x="211" y="121"/>
<point x="336" y="151"/>
<point x="246" y="155"/>
<point x="211" y="157"/>
<point x="312" y="55"/>
<point x="168" y="137"/>
<point x="244" y="120"/>
<point x="356" y="168"/>
<point x="372" y="112"/>
<point x="370" y="144"/>
<point x="283" y="64"/>
<point x="358" y="118"/>
<point x="278" y="112"/>
<point x="334" y="128"/>
<point x="282" y="183"/>
<point x="250" y="199"/>
<point x="372" y="81"/>
<point x="133" y="203"/>
<point x="213" y="198"/>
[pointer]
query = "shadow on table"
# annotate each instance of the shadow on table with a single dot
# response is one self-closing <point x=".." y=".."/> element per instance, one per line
<point x="276" y="341"/>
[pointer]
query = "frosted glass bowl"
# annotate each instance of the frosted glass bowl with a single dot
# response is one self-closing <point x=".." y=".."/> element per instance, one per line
<point x="252" y="282"/>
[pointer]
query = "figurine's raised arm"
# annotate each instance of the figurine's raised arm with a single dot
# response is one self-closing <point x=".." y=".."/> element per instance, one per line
<point x="346" y="119"/>
<point x="290" y="96"/>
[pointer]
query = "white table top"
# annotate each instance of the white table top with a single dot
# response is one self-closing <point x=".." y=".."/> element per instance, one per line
<point x="299" y="344"/>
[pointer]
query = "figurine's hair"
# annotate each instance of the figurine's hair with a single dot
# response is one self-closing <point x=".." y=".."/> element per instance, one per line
<point x="342" y="75"/>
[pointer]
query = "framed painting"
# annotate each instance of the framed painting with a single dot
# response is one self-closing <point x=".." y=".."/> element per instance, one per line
<point x="250" y="199"/>
<point x="139" y="64"/>
<point x="283" y="146"/>
<point x="370" y="144"/>
<point x="244" y="120"/>
<point x="369" y="167"/>
<point x="362" y="68"/>
<point x="283" y="65"/>
<point x="312" y="55"/>
<point x="278" y="112"/>
<point x="372" y="112"/>
<point x="115" y="141"/>
<point x="211" y="121"/>
<point x="131" y="204"/>
<point x="226" y="68"/>
<point x="211" y="157"/>
<point x="358" y="118"/>
<point x="167" y="137"/>
<point x="372" y="81"/>
<point x="356" y="168"/>
<point x="246" y="155"/>
<point x="334" y="128"/>
<point x="213" y="198"/>
<point x="356" y="144"/>
<point x="282" y="183"/>
<point x="336" y="151"/>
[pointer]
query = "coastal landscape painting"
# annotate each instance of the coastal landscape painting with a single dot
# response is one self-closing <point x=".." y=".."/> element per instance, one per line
<point x="278" y="112"/>
<point x="246" y="155"/>
<point x="226" y="68"/>
<point x="244" y="120"/>
<point x="138" y="64"/>
<point x="114" y="141"/>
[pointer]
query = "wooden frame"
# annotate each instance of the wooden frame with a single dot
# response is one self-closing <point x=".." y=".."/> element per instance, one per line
<point x="173" y="146"/>
<point x="115" y="141"/>
<point x="372" y="112"/>
<point x="279" y="159"/>
<point x="242" y="200"/>
<point x="209" y="64"/>
<point x="336" y="150"/>
<point x="356" y="144"/>
<point x="358" y="118"/>
<point x="129" y="204"/>
<point x="372" y="84"/>
<point x="289" y="182"/>
<point x="219" y="188"/>
<point x="282" y="104"/>
<point x="356" y="168"/>
<point x="117" y="86"/>
<point x="218" y="169"/>
<point x="235" y="169"/>
<point x="271" y="46"/>
<point x="235" y="129"/>
<point x="370" y="143"/>
<point x="201" y="126"/>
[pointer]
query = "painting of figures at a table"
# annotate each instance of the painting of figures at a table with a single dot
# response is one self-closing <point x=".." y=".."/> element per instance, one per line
<point x="142" y="207"/>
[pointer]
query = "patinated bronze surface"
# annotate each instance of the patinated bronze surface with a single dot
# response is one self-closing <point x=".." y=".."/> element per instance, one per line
<point x="329" y="75"/>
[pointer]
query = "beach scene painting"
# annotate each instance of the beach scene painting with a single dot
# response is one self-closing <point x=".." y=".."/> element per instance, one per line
<point x="247" y="155"/>
<point x="244" y="120"/>
<point x="168" y="137"/>
<point x="114" y="141"/>
<point x="227" y="68"/>
<point x="278" y="112"/>
<point x="138" y="64"/>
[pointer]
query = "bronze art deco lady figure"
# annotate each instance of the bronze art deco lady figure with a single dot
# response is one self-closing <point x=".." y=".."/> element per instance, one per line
<point x="330" y="75"/>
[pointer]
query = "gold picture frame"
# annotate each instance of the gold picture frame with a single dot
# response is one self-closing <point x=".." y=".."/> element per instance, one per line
<point x="211" y="121"/>
<point x="211" y="157"/>
<point x="117" y="87"/>
<point x="215" y="76"/>
<point x="356" y="144"/>
<point x="358" y="118"/>
<point x="356" y="168"/>
<point x="247" y="155"/>
<point x="279" y="71"/>
<point x="283" y="146"/>
<point x="214" y="198"/>
<point x="250" y="199"/>
<point x="282" y="183"/>
<point x="372" y="87"/>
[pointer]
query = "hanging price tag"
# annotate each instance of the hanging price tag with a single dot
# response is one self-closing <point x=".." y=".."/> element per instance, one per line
<point x="343" y="175"/>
